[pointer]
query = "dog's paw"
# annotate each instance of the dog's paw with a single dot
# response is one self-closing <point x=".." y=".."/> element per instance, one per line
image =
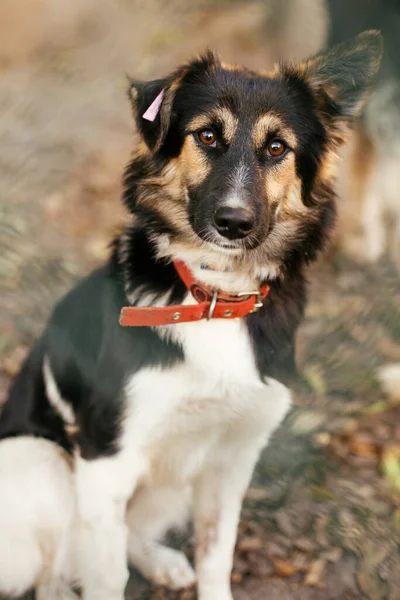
<point x="58" y="590"/>
<point x="169" y="568"/>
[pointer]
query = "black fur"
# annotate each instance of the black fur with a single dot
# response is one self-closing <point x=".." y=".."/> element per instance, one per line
<point x="90" y="354"/>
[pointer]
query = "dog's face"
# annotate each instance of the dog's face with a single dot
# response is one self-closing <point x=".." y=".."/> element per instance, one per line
<point x="242" y="137"/>
<point x="237" y="161"/>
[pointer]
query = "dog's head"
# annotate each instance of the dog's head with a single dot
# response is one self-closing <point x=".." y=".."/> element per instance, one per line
<point x="241" y="163"/>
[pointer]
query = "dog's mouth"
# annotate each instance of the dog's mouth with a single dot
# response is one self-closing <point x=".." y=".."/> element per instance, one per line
<point x="224" y="245"/>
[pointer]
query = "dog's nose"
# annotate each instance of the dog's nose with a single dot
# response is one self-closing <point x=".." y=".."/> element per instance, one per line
<point x="234" y="223"/>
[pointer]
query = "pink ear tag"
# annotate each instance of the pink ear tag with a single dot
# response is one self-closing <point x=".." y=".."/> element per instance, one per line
<point x="154" y="107"/>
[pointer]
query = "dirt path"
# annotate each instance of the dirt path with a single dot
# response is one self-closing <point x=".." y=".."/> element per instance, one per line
<point x="321" y="520"/>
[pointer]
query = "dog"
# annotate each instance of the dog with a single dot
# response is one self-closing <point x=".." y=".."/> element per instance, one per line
<point x="162" y="375"/>
<point x="369" y="214"/>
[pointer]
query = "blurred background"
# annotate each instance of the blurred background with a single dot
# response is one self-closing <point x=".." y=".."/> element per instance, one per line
<point x="322" y="517"/>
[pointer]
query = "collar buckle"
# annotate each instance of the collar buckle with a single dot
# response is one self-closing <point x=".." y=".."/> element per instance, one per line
<point x="259" y="298"/>
<point x="213" y="304"/>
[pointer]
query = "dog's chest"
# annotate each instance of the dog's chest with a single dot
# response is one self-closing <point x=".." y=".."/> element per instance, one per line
<point x="184" y="413"/>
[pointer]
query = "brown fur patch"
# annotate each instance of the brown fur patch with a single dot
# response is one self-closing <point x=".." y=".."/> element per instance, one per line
<point x="193" y="164"/>
<point x="199" y="122"/>
<point x="327" y="171"/>
<point x="171" y="185"/>
<point x="71" y="431"/>
<point x="221" y="115"/>
<point x="272" y="123"/>
<point x="206" y="536"/>
<point x="236" y="68"/>
<point x="232" y="67"/>
<point x="283" y="188"/>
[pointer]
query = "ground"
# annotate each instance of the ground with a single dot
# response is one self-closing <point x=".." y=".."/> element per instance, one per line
<point x="322" y="517"/>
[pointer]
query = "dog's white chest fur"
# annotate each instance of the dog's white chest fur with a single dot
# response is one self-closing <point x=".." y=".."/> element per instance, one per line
<point x="183" y="415"/>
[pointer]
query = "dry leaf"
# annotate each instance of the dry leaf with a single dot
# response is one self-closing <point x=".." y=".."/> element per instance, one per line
<point x="362" y="444"/>
<point x="315" y="572"/>
<point x="315" y="380"/>
<point x="323" y="438"/>
<point x="304" y="544"/>
<point x="285" y="524"/>
<point x="389" y="378"/>
<point x="283" y="568"/>
<point x="332" y="555"/>
<point x="249" y="544"/>
<point x="257" y="494"/>
<point x="350" y="426"/>
<point x="363" y="448"/>
<point x="376" y="408"/>
<point x="274" y="550"/>
<point x="391" y="466"/>
<point x="320" y="493"/>
<point x="237" y="578"/>
<point x="305" y="422"/>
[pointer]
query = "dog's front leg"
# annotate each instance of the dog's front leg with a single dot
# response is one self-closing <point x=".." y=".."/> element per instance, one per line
<point x="103" y="487"/>
<point x="217" y="503"/>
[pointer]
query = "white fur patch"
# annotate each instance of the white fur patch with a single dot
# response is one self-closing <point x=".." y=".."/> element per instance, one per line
<point x="61" y="406"/>
<point x="181" y="415"/>
<point x="36" y="518"/>
<point x="186" y="424"/>
<point x="141" y="297"/>
<point x="238" y="181"/>
<point x="231" y="273"/>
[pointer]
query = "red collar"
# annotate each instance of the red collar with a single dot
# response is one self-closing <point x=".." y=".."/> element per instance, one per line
<point x="211" y="304"/>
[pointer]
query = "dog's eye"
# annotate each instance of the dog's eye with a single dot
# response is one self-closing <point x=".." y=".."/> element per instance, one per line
<point x="276" y="148"/>
<point x="207" y="137"/>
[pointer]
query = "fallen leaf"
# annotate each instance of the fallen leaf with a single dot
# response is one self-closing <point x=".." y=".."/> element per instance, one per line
<point x="320" y="493"/>
<point x="315" y="572"/>
<point x="332" y="555"/>
<point x="283" y="568"/>
<point x="360" y="448"/>
<point x="300" y="561"/>
<point x="350" y="426"/>
<point x="323" y="438"/>
<point x="304" y="544"/>
<point x="274" y="550"/>
<point x="305" y="422"/>
<point x="390" y="464"/>
<point x="237" y="578"/>
<point x="285" y="524"/>
<point x="249" y="544"/>
<point x="257" y="494"/>
<point x="315" y="380"/>
<point x="389" y="378"/>
<point x="376" y="408"/>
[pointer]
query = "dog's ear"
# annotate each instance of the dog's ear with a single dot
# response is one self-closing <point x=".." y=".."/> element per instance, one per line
<point x="152" y="105"/>
<point x="341" y="79"/>
<point x="153" y="101"/>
